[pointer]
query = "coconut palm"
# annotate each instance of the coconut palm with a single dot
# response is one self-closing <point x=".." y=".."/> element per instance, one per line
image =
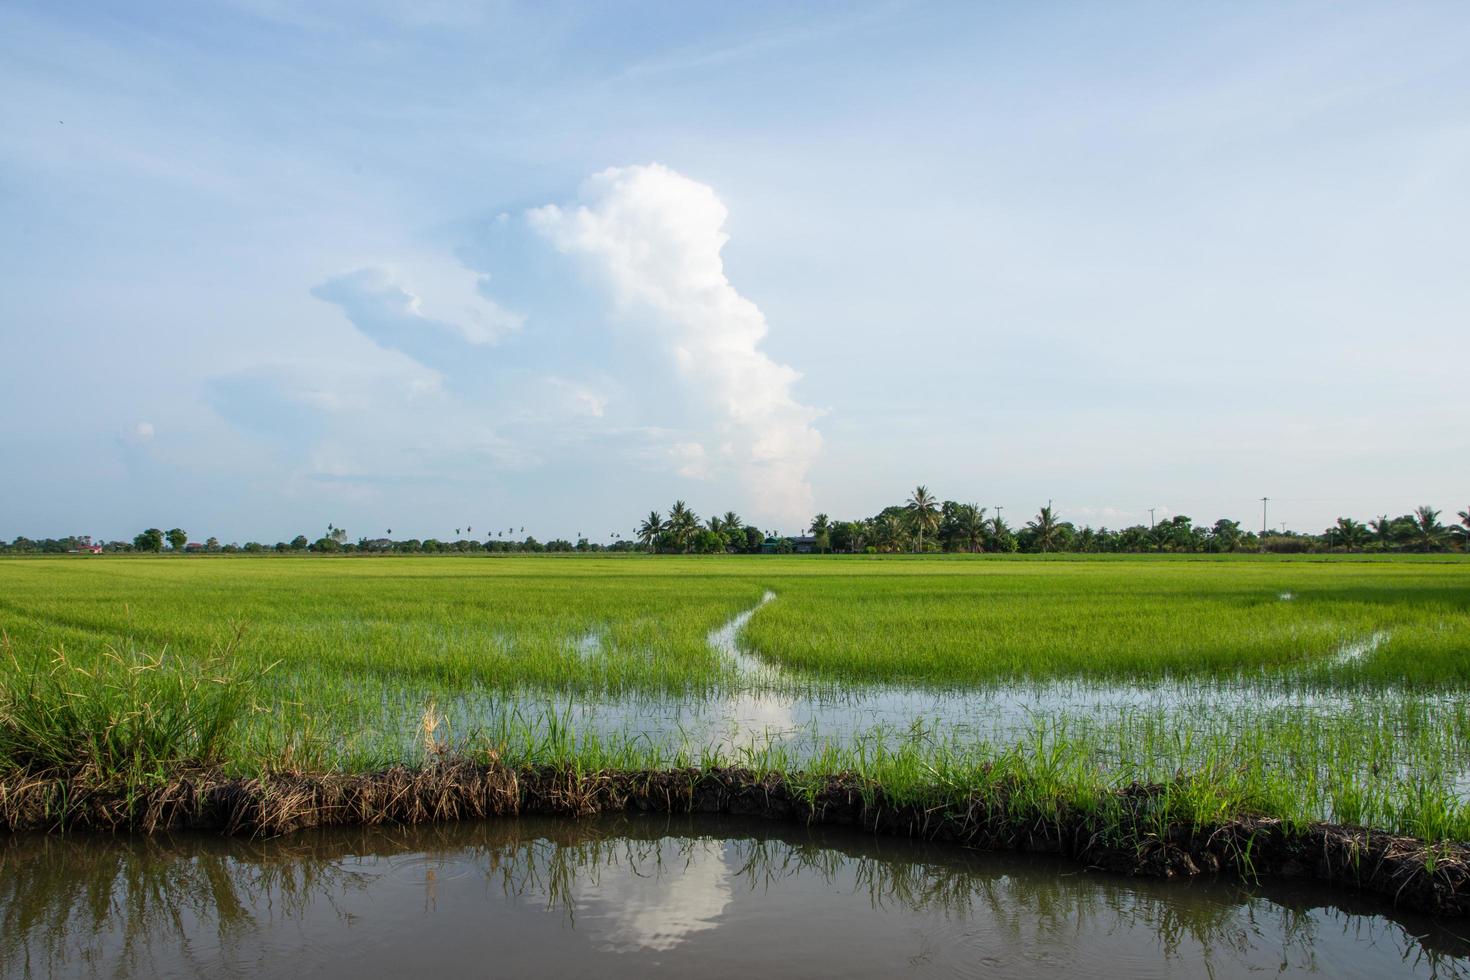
<point x="1382" y="529"/>
<point x="972" y="527"/>
<point x="1429" y="533"/>
<point x="1348" y="532"/>
<point x="682" y="524"/>
<point x="888" y="533"/>
<point x="822" y="530"/>
<point x="651" y="528"/>
<point x="1046" y="527"/>
<point x="923" y="511"/>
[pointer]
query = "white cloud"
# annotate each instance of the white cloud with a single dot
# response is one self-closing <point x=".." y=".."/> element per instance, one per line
<point x="656" y="236"/>
<point x="576" y="398"/>
<point x="393" y="316"/>
<point x="143" y="430"/>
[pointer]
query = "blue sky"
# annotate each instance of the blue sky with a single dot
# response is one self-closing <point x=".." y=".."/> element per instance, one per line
<point x="266" y="266"/>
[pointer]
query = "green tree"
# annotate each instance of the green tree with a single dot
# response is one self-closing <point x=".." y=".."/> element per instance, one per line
<point x="683" y="523"/>
<point x="651" y="528"/>
<point x="1429" y="533"/>
<point x="149" y="540"/>
<point x="1347" y="533"/>
<point x="299" y="543"/>
<point x="1382" y="529"/>
<point x="970" y="525"/>
<point x="999" y="536"/>
<point x="888" y="533"/>
<point x="822" y="531"/>
<point x="923" y="512"/>
<point x="708" y="542"/>
<point x="1225" y="535"/>
<point x="177" y="538"/>
<point x="1046" y="529"/>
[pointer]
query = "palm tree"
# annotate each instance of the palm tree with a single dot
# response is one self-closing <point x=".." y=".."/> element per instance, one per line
<point x="1348" y="532"/>
<point x="651" y="528"/>
<point x="1463" y="532"/>
<point x="1382" y="529"/>
<point x="972" y="527"/>
<point x="732" y="522"/>
<point x="682" y="524"/>
<point x="1045" y="528"/>
<point x="822" y="530"/>
<point x="1429" y="533"/>
<point x="888" y="533"/>
<point x="923" y="511"/>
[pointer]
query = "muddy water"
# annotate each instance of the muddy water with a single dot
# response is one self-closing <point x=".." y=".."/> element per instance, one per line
<point x="638" y="896"/>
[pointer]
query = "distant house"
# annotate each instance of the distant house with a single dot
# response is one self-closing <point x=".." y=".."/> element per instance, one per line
<point x="803" y="544"/>
<point x="193" y="546"/>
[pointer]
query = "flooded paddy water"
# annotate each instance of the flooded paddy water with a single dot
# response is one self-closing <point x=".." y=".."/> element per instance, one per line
<point x="633" y="896"/>
<point x="773" y="714"/>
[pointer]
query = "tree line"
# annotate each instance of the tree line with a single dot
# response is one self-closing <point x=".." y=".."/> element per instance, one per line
<point x="335" y="541"/>
<point x="923" y="524"/>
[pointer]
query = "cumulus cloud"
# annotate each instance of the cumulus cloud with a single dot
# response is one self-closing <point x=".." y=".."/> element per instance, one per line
<point x="656" y="236"/>
<point x="392" y="316"/>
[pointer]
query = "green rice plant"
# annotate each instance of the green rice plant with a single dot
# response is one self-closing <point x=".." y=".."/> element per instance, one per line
<point x="126" y="714"/>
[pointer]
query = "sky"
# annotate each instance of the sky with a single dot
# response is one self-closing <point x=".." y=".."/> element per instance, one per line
<point x="422" y="267"/>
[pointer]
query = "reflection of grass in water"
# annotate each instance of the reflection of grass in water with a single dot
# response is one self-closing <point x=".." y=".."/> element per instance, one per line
<point x="59" y="896"/>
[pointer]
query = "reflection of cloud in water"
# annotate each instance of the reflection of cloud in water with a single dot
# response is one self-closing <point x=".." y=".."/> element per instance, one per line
<point x="656" y="908"/>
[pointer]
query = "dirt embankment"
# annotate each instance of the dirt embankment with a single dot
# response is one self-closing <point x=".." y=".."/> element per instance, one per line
<point x="1404" y="870"/>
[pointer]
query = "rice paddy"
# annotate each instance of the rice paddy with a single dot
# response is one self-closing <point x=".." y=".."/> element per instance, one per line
<point x="1300" y="689"/>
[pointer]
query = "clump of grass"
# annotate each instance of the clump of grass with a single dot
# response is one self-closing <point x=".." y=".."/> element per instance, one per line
<point x="125" y="715"/>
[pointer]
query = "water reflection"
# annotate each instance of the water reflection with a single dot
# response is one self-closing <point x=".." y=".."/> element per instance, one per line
<point x="629" y="895"/>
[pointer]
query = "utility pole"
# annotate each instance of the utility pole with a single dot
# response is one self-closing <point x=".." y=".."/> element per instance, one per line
<point x="998" y="509"/>
<point x="1263" y="522"/>
<point x="1151" y="518"/>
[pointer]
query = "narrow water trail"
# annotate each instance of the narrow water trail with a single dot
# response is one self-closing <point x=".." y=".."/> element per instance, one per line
<point x="751" y="714"/>
<point x="726" y="640"/>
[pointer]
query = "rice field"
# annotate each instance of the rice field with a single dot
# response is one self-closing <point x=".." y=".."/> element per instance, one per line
<point x="1301" y="688"/>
